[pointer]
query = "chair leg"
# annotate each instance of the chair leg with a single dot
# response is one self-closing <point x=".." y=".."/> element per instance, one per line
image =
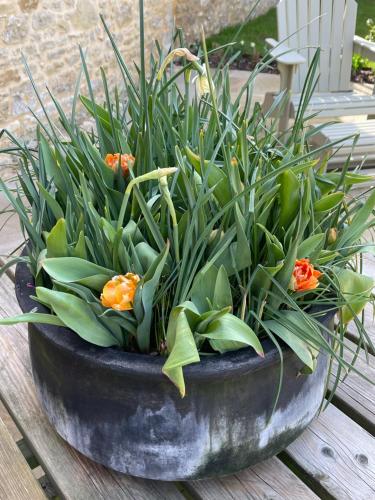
<point x="372" y="117"/>
<point x="286" y="82"/>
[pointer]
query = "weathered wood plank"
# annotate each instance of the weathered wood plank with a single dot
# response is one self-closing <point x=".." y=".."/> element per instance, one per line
<point x="11" y="229"/>
<point x="16" y="479"/>
<point x="74" y="476"/>
<point x="355" y="395"/>
<point x="9" y="423"/>
<point x="369" y="269"/>
<point x="269" y="479"/>
<point x="338" y="454"/>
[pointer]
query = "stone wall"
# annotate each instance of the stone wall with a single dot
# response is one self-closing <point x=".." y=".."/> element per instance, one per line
<point x="48" y="33"/>
<point x="214" y="15"/>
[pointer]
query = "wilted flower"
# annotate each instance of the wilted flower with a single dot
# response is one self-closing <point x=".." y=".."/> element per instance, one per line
<point x="113" y="161"/>
<point x="180" y="52"/>
<point x="201" y="83"/>
<point x="304" y="277"/>
<point x="119" y="292"/>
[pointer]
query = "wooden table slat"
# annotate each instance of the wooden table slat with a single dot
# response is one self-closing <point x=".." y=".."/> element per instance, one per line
<point x="335" y="452"/>
<point x="355" y="393"/>
<point x="338" y="454"/>
<point x="369" y="270"/>
<point x="269" y="479"/>
<point x="75" y="476"/>
<point x="16" y="479"/>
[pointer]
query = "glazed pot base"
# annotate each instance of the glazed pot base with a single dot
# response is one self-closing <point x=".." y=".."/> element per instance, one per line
<point x="118" y="408"/>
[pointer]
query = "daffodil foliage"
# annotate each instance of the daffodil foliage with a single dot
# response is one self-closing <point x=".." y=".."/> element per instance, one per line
<point x="208" y="221"/>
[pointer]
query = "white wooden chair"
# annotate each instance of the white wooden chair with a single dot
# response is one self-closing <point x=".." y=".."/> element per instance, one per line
<point x="330" y="25"/>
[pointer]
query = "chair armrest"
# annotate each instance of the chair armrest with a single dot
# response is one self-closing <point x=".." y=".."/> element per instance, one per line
<point x="364" y="47"/>
<point x="283" y="54"/>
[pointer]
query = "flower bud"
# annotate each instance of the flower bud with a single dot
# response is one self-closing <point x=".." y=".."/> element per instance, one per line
<point x="332" y="235"/>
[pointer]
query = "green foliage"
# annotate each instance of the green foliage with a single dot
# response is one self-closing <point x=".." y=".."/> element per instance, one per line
<point x="212" y="215"/>
<point x="371" y="30"/>
<point x="360" y="63"/>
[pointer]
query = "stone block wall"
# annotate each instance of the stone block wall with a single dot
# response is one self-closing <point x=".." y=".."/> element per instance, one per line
<point x="48" y="33"/>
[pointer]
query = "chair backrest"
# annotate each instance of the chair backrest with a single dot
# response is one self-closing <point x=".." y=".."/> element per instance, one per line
<point x="329" y="24"/>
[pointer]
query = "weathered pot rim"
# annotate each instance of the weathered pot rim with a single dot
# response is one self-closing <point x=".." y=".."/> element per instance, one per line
<point x="228" y="364"/>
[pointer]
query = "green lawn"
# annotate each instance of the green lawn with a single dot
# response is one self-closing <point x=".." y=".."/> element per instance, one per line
<point x="264" y="26"/>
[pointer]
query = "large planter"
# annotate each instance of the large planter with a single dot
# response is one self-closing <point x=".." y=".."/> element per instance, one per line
<point x="120" y="410"/>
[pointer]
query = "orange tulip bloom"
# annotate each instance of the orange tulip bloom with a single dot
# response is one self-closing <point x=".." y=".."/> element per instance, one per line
<point x="119" y="292"/>
<point x="305" y="277"/>
<point x="113" y="161"/>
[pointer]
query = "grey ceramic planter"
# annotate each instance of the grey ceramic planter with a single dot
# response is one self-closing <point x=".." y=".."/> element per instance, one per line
<point x="120" y="410"/>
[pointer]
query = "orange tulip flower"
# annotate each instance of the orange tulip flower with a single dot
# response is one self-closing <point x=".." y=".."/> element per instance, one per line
<point x="119" y="292"/>
<point x="113" y="161"/>
<point x="305" y="277"/>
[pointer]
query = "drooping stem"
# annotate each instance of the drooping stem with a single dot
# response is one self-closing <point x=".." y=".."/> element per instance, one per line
<point x="167" y="196"/>
<point x="153" y="175"/>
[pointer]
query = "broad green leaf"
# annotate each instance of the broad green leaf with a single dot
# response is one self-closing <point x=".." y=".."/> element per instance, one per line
<point x="284" y="275"/>
<point x="50" y="164"/>
<point x="356" y="290"/>
<point x="145" y="293"/>
<point x="203" y="289"/>
<point x="57" y="244"/>
<point x="108" y="229"/>
<point x="183" y="351"/>
<point x="192" y="315"/>
<point x="242" y="248"/>
<point x="80" y="248"/>
<point x="350" y="178"/>
<point x="146" y="255"/>
<point x="75" y="270"/>
<point x="275" y="248"/>
<point x="215" y="177"/>
<point x="51" y="202"/>
<point x="328" y="202"/>
<point x="131" y="232"/>
<point x="48" y="319"/>
<point x="289" y="195"/>
<point x="40" y="260"/>
<point x="102" y="114"/>
<point x="300" y="347"/>
<point x="262" y="277"/>
<point x="222" y="292"/>
<point x="229" y="333"/>
<point x="77" y="315"/>
<point x="310" y="245"/>
<point x="208" y="317"/>
<point x="326" y="256"/>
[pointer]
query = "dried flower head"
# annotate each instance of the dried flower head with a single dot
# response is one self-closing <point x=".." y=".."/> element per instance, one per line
<point x="179" y="52"/>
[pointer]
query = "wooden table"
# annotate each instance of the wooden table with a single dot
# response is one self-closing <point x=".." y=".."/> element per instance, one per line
<point x="334" y="458"/>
